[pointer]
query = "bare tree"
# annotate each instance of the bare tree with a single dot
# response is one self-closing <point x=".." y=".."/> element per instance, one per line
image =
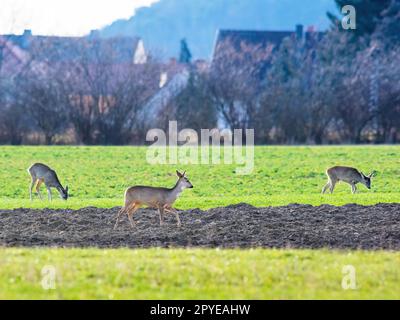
<point x="42" y="97"/>
<point x="105" y="97"/>
<point x="388" y="111"/>
<point x="235" y="81"/>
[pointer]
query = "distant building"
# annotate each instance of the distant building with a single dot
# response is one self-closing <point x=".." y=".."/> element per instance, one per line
<point x="173" y="80"/>
<point x="260" y="38"/>
<point x="41" y="53"/>
<point x="56" y="48"/>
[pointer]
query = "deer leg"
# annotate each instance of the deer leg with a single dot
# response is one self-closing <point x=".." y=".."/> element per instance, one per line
<point x="326" y="187"/>
<point x="31" y="187"/>
<point x="161" y="213"/>
<point x="332" y="186"/>
<point x="120" y="212"/>
<point x="117" y="214"/>
<point x="353" y="188"/>
<point x="133" y="209"/>
<point x="172" y="210"/>
<point x="124" y="209"/>
<point x="49" y="195"/>
<point x="38" y="188"/>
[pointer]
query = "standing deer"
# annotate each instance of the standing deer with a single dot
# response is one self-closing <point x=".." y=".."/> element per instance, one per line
<point x="160" y="198"/>
<point x="349" y="175"/>
<point x="40" y="173"/>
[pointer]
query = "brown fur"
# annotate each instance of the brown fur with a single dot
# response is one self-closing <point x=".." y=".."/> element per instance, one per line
<point x="154" y="197"/>
<point x="40" y="173"/>
<point x="352" y="176"/>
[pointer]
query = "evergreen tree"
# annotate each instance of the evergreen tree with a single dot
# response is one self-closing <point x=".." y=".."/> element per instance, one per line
<point x="185" y="55"/>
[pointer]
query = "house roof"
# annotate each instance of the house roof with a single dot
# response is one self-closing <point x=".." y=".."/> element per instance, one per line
<point x="253" y="36"/>
<point x="249" y="37"/>
<point x="258" y="38"/>
<point x="55" y="48"/>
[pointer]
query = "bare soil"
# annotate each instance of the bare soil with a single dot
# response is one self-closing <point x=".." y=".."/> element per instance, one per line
<point x="237" y="226"/>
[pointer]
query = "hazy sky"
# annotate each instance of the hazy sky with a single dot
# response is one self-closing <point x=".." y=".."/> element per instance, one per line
<point x="63" y="17"/>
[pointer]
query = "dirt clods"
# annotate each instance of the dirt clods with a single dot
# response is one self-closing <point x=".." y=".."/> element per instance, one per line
<point x="235" y="226"/>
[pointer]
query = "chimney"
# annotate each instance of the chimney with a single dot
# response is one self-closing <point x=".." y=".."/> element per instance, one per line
<point x="27" y="33"/>
<point x="25" y="39"/>
<point x="299" y="31"/>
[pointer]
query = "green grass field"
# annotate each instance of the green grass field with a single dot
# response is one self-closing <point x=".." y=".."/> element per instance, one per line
<point x="98" y="176"/>
<point x="197" y="274"/>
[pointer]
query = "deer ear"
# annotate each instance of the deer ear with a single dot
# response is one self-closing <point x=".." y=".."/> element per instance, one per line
<point x="66" y="188"/>
<point x="184" y="172"/>
<point x="372" y="174"/>
<point x="178" y="174"/>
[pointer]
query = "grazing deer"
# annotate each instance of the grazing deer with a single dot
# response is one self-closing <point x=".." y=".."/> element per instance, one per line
<point x="349" y="175"/>
<point x="160" y="198"/>
<point x="40" y="173"/>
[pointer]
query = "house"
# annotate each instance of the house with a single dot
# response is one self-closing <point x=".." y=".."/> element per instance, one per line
<point x="173" y="80"/>
<point x="88" y="60"/>
<point x="52" y="49"/>
<point x="269" y="41"/>
<point x="263" y="38"/>
<point x="248" y="37"/>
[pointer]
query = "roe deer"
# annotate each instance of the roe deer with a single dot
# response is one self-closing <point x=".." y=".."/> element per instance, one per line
<point x="349" y="175"/>
<point x="160" y="198"/>
<point x="41" y="173"/>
